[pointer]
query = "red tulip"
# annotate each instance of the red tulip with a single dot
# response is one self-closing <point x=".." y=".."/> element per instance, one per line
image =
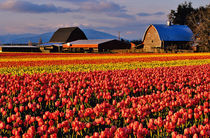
<point x="195" y="136"/>
<point x="10" y="106"/>
<point x="9" y="120"/>
<point x="88" y="125"/>
<point x="2" y="125"/>
<point x="21" y="108"/>
<point x="96" y="135"/>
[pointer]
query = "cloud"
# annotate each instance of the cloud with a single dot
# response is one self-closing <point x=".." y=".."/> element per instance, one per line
<point x="109" y="8"/>
<point x="76" y="0"/>
<point x="101" y="7"/>
<point x="150" y="14"/>
<point x="28" y="7"/>
<point x="106" y="7"/>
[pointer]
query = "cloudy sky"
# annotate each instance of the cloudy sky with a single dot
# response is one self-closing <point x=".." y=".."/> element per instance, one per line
<point x="129" y="17"/>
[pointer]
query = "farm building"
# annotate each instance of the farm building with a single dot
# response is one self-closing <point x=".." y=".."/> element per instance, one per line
<point x="163" y="38"/>
<point x="100" y="45"/>
<point x="51" y="47"/>
<point x="63" y="35"/>
<point x="18" y="48"/>
<point x="69" y="34"/>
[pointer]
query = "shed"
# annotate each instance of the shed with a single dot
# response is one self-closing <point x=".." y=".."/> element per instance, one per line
<point x="51" y="47"/>
<point x="161" y="38"/>
<point x="69" y="34"/>
<point x="101" y="45"/>
<point x="19" y="48"/>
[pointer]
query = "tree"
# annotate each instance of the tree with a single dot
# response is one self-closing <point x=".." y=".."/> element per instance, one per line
<point x="199" y="24"/>
<point x="29" y="43"/>
<point x="180" y="15"/>
<point x="125" y="41"/>
<point x="40" y="41"/>
<point x="137" y="42"/>
<point x="198" y="21"/>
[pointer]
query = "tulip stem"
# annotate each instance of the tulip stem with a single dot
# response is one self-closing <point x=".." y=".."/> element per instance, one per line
<point x="150" y="133"/>
<point x="73" y="134"/>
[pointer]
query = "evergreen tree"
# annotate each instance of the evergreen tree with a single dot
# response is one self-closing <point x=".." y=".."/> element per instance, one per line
<point x="29" y="43"/>
<point x="40" y="41"/>
<point x="180" y="15"/>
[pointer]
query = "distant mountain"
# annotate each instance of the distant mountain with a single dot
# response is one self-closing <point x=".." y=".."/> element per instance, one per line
<point x="24" y="38"/>
<point x="9" y="38"/>
<point x="34" y="38"/>
<point x="93" y="34"/>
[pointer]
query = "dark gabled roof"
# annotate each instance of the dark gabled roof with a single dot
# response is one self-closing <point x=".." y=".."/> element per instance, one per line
<point x="64" y="35"/>
<point x="173" y="32"/>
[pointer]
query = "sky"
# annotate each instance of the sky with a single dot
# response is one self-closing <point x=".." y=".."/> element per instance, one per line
<point x="129" y="17"/>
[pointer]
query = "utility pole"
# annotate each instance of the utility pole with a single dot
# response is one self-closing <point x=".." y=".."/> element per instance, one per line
<point x="119" y="35"/>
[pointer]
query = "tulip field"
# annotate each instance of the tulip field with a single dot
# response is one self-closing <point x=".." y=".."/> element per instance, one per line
<point x="104" y="95"/>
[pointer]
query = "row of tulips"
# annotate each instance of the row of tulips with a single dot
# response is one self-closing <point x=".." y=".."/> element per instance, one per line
<point x="35" y="55"/>
<point x="98" y="67"/>
<point x="10" y="55"/>
<point x="150" y="102"/>
<point x="67" y="61"/>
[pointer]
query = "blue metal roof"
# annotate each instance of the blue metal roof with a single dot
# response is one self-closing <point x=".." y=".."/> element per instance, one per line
<point x="51" y="44"/>
<point x="173" y="32"/>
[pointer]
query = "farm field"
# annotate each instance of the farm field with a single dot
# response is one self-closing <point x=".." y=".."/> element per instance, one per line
<point x="104" y="95"/>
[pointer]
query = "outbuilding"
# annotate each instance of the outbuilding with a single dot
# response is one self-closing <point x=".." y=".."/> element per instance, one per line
<point x="163" y="38"/>
<point x="61" y="36"/>
<point x="68" y="34"/>
<point x="100" y="45"/>
<point x="19" y="48"/>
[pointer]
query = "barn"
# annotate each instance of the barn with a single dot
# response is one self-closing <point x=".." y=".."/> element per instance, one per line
<point x="63" y="35"/>
<point x="165" y="38"/>
<point x="100" y="45"/>
<point x="68" y="34"/>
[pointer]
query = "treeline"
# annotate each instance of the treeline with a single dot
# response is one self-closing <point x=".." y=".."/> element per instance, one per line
<point x="198" y="21"/>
